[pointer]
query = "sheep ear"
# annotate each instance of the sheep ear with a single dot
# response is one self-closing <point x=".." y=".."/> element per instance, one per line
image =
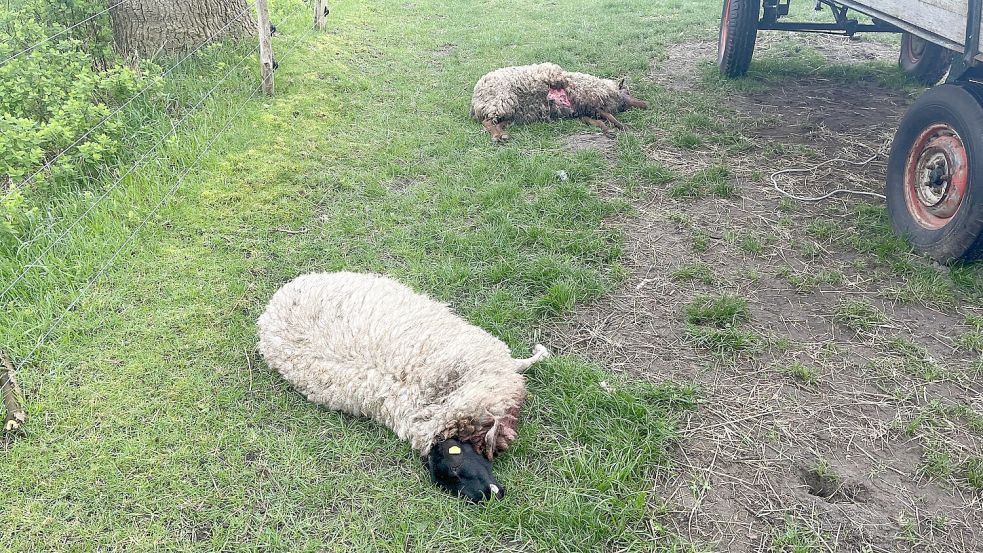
<point x="621" y="84"/>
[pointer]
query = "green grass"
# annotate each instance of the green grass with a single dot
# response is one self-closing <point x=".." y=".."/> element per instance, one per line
<point x="972" y="339"/>
<point x="715" y="323"/>
<point x="808" y="281"/>
<point x="973" y="471"/>
<point x="693" y="272"/>
<point x="859" y="316"/>
<point x="753" y="245"/>
<point x="800" y="372"/>
<point x="794" y="538"/>
<point x="154" y="426"/>
<point x="724" y="342"/>
<point x="712" y="181"/>
<point x="936" y="460"/>
<point x="718" y="311"/>
<point x="701" y="241"/>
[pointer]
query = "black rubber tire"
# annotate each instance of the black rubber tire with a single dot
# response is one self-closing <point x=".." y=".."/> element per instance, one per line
<point x="959" y="106"/>
<point x="738" y="31"/>
<point x="922" y="60"/>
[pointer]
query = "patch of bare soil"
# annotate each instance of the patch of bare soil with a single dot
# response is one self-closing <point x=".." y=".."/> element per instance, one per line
<point x="680" y="70"/>
<point x="402" y="184"/>
<point x="846" y="455"/>
<point x="444" y="50"/>
<point x="604" y="144"/>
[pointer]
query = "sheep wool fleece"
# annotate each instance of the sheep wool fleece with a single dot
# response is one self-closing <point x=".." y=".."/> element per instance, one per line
<point x="367" y="345"/>
<point x="521" y="94"/>
<point x="518" y="94"/>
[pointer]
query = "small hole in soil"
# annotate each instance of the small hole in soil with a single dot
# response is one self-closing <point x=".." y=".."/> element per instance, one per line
<point x="832" y="488"/>
<point x="820" y="485"/>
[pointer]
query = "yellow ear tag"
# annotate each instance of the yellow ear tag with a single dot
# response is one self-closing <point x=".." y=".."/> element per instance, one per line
<point x="454" y="450"/>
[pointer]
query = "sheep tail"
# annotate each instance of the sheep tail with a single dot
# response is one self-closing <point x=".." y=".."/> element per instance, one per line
<point x="539" y="352"/>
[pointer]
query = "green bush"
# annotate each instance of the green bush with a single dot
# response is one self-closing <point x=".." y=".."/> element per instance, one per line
<point x="51" y="96"/>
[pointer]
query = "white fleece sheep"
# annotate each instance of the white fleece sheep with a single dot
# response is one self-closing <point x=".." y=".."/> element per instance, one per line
<point x="545" y="92"/>
<point x="518" y="94"/>
<point x="368" y="345"/>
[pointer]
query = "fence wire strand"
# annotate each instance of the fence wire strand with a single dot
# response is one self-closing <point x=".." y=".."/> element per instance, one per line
<point x="109" y="190"/>
<point x="59" y="33"/>
<point x="167" y="195"/>
<point x="174" y="127"/>
<point x="47" y="165"/>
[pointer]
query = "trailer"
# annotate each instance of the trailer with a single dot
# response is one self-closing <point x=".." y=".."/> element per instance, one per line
<point x="934" y="188"/>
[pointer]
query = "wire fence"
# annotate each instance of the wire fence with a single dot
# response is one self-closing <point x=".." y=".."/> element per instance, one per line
<point x="62" y="32"/>
<point x="119" y="109"/>
<point x="153" y="153"/>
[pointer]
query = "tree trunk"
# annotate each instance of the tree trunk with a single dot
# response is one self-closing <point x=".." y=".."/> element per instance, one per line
<point x="146" y="27"/>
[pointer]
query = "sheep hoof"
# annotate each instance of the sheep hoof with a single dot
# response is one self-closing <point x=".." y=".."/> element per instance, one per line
<point x="506" y="137"/>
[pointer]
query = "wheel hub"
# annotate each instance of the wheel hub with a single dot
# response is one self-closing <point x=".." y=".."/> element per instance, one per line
<point x="936" y="176"/>
<point x="934" y="183"/>
<point x="916" y="47"/>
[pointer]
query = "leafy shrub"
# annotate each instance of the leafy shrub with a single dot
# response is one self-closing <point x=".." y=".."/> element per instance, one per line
<point x="50" y="98"/>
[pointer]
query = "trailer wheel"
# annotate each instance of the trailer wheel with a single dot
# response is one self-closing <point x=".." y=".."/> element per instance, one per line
<point x="922" y="60"/>
<point x="935" y="171"/>
<point x="738" y="31"/>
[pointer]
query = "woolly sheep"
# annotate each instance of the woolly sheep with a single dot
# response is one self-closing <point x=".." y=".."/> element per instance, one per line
<point x="367" y="345"/>
<point x="545" y="92"/>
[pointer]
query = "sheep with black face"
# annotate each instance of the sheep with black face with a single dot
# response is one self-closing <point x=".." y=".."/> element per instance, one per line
<point x="367" y="345"/>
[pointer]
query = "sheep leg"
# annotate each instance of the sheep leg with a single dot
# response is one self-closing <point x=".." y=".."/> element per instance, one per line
<point x="597" y="123"/>
<point x="611" y="119"/>
<point x="539" y="352"/>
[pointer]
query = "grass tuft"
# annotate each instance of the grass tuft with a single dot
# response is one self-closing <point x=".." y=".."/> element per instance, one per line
<point x="936" y="461"/>
<point x="972" y="339"/>
<point x="721" y="311"/>
<point x="712" y="323"/>
<point x="714" y="180"/>
<point x="859" y="316"/>
<point x="793" y="538"/>
<point x="800" y="372"/>
<point x="693" y="272"/>
<point x="973" y="470"/>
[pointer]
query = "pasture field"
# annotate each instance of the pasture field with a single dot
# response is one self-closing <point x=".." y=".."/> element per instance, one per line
<point x="733" y="370"/>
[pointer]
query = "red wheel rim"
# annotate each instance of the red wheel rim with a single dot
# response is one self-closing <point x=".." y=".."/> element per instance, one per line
<point x="724" y="30"/>
<point x="936" y="176"/>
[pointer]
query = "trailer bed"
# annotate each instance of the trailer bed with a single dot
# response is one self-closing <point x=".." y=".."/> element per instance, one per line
<point x="940" y="21"/>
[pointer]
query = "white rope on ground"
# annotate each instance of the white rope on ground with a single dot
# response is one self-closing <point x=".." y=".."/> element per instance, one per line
<point x="105" y="266"/>
<point x="774" y="181"/>
<point x="50" y="162"/>
<point x="59" y="33"/>
<point x="119" y="180"/>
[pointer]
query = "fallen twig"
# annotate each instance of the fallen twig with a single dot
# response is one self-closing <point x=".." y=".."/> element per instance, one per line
<point x="13" y="409"/>
<point x="289" y="231"/>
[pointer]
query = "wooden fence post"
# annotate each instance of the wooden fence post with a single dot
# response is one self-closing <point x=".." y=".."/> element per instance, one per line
<point x="265" y="45"/>
<point x="320" y="12"/>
